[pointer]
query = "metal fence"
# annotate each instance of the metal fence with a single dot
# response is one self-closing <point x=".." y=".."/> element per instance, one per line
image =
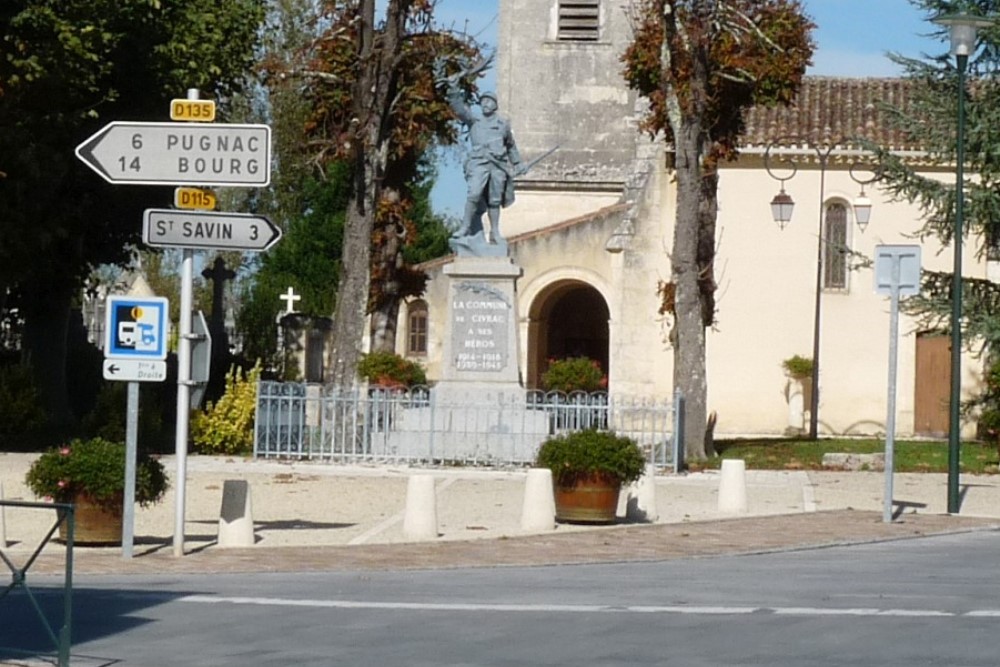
<point x="61" y="637"/>
<point x="310" y="421"/>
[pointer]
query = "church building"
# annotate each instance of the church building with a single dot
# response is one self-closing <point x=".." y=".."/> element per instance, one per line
<point x="592" y="227"/>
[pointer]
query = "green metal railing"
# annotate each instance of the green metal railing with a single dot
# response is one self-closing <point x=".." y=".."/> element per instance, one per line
<point x="19" y="579"/>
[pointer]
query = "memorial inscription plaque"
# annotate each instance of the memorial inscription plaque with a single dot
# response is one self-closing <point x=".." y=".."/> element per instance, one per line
<point x="480" y="319"/>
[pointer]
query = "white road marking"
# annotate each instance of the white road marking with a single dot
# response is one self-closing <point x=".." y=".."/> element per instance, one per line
<point x="692" y="610"/>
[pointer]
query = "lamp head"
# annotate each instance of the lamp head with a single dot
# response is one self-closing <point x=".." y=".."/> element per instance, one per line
<point x="781" y="208"/>
<point x="963" y="29"/>
<point x="862" y="211"/>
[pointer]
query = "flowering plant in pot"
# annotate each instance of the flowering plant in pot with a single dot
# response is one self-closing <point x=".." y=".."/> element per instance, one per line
<point x="588" y="470"/>
<point x="385" y="369"/>
<point x="96" y="468"/>
<point x="91" y="474"/>
<point x="574" y="374"/>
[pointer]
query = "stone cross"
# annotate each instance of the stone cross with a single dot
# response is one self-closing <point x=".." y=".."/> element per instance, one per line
<point x="290" y="297"/>
<point x="218" y="274"/>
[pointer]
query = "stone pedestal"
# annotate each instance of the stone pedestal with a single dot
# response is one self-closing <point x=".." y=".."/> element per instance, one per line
<point x="480" y="343"/>
<point x="479" y="407"/>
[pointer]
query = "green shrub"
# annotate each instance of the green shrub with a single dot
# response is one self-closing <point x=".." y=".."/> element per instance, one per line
<point x="391" y="370"/>
<point x="988" y="406"/>
<point x="798" y="367"/>
<point x="108" y="418"/>
<point x="22" y="418"/>
<point x="583" y="452"/>
<point x="574" y="374"/>
<point x="226" y="426"/>
<point x="95" y="467"/>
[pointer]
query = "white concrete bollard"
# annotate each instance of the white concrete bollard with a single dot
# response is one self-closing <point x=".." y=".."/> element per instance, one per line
<point x="733" y="487"/>
<point x="642" y="497"/>
<point x="538" y="511"/>
<point x="236" y="515"/>
<point x="420" y="518"/>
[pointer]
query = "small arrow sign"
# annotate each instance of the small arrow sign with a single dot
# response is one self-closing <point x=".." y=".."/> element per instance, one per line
<point x="209" y="154"/>
<point x="168" y="228"/>
<point x="135" y="370"/>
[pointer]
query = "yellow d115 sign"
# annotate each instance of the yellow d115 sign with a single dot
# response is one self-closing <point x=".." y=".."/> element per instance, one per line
<point x="199" y="199"/>
<point x="193" y="110"/>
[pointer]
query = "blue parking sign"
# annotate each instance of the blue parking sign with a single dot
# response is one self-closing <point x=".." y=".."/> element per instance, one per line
<point x="136" y="328"/>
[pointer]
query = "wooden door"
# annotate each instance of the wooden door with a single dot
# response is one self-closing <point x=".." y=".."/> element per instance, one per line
<point x="933" y="384"/>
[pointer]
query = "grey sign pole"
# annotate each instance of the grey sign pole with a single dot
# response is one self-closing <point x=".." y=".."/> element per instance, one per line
<point x="131" y="453"/>
<point x="183" y="388"/>
<point x="897" y="272"/>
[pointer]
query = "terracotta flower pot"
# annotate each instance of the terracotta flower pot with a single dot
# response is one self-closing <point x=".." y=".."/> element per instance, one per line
<point x="94" y="524"/>
<point x="589" y="498"/>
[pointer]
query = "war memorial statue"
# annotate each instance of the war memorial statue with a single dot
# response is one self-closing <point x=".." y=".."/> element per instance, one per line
<point x="490" y="168"/>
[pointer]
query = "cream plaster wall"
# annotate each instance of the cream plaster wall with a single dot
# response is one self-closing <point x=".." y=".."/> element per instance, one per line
<point x="766" y="301"/>
<point x="537" y="209"/>
<point x="766" y="298"/>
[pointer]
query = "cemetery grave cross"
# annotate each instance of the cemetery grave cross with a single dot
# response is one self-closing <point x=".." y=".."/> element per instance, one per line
<point x="290" y="297"/>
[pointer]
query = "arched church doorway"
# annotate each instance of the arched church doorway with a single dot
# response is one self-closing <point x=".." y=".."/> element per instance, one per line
<point x="568" y="319"/>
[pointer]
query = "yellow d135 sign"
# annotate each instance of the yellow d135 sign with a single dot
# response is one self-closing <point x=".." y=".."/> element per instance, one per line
<point x="202" y="111"/>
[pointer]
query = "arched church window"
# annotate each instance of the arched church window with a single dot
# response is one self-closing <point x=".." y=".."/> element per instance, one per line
<point x="579" y="20"/>
<point x="835" y="248"/>
<point x="416" y="328"/>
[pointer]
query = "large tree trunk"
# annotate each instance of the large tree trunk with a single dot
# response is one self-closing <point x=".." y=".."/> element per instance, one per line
<point x="387" y="290"/>
<point x="384" y="319"/>
<point x="689" y="325"/>
<point x="373" y="94"/>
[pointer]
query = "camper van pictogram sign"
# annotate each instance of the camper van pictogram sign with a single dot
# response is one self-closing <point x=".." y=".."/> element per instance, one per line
<point x="136" y="328"/>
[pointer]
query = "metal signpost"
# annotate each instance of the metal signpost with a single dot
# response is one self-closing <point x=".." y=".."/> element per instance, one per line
<point x="166" y="228"/>
<point x="180" y="154"/>
<point x="135" y="347"/>
<point x="897" y="273"/>
<point x="199" y="154"/>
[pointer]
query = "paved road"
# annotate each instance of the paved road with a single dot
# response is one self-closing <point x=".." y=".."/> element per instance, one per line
<point x="923" y="601"/>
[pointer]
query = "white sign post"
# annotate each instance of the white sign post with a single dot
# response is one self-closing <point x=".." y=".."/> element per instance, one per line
<point x="135" y="346"/>
<point x="180" y="154"/>
<point x="897" y="273"/>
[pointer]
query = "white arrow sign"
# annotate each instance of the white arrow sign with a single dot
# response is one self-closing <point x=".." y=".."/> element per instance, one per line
<point x="180" y="153"/>
<point x="168" y="228"/>
<point x="135" y="370"/>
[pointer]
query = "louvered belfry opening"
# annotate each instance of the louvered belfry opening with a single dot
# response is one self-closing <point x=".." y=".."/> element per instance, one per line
<point x="579" y="20"/>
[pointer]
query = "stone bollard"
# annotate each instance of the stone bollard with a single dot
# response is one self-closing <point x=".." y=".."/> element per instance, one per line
<point x="420" y="518"/>
<point x="236" y="515"/>
<point x="642" y="497"/>
<point x="538" y="511"/>
<point x="733" y="487"/>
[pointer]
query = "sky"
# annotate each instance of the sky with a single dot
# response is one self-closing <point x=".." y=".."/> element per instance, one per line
<point x="852" y="38"/>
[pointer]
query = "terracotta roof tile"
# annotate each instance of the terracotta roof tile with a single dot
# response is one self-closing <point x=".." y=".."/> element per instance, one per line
<point x="832" y="108"/>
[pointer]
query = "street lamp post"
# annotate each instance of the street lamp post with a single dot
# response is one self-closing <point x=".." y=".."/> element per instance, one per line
<point x="963" y="30"/>
<point x="781" y="209"/>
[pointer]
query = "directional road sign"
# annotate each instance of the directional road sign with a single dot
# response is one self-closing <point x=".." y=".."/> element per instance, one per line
<point x="167" y="228"/>
<point x="136" y="328"/>
<point x="201" y="358"/>
<point x="135" y="370"/>
<point x="180" y="153"/>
